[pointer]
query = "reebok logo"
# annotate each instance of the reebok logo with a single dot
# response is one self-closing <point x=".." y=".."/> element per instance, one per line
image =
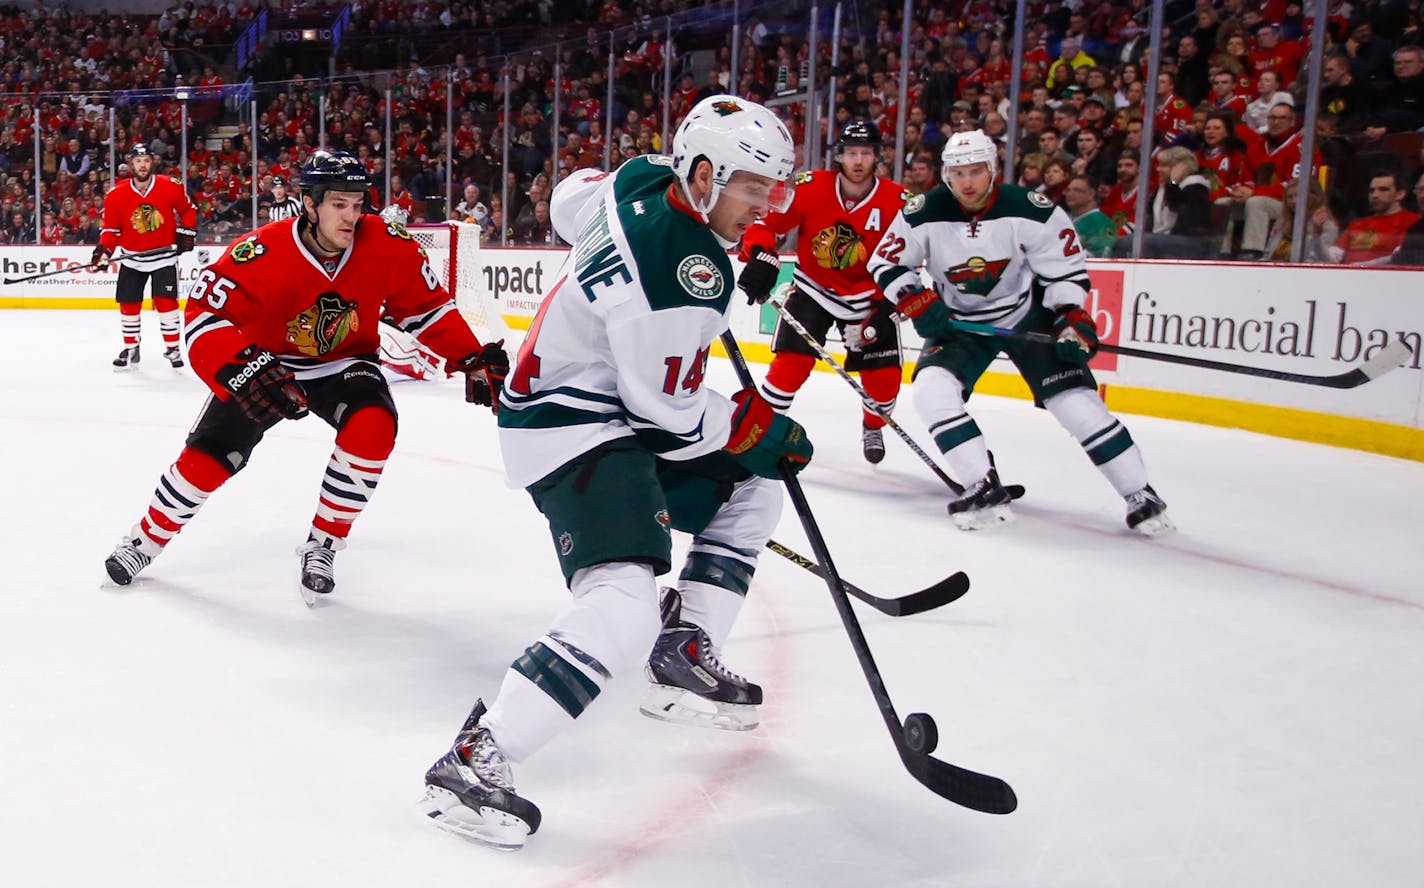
<point x="253" y="367"/>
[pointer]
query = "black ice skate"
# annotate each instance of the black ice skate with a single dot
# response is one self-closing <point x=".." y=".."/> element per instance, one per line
<point x="318" y="567"/>
<point x="689" y="685"/>
<point x="1147" y="513"/>
<point x="127" y="358"/>
<point x="126" y="561"/>
<point x="174" y="356"/>
<point x="872" y="444"/>
<point x="984" y="503"/>
<point x="470" y="791"/>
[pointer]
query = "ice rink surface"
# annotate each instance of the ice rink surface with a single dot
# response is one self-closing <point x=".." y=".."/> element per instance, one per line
<point x="1241" y="704"/>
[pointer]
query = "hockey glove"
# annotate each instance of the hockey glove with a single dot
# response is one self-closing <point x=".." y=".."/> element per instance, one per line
<point x="925" y="310"/>
<point x="1077" y="334"/>
<point x="484" y="374"/>
<point x="860" y="335"/>
<point x="763" y="439"/>
<point x="264" y="388"/>
<point x="758" y="277"/>
<point x="187" y="237"/>
<point x="100" y="259"/>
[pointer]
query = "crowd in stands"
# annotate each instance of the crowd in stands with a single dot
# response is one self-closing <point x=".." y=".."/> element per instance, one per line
<point x="1226" y="117"/>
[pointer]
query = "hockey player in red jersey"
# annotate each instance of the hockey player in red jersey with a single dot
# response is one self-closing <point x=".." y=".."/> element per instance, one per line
<point x="141" y="214"/>
<point x="841" y="216"/>
<point x="286" y="323"/>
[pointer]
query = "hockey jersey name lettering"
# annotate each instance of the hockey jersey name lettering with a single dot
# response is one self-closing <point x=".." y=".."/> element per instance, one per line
<point x="599" y="263"/>
<point x="978" y="275"/>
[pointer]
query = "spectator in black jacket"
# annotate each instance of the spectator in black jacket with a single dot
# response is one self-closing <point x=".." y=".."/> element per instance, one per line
<point x="1181" y="211"/>
<point x="1401" y="108"/>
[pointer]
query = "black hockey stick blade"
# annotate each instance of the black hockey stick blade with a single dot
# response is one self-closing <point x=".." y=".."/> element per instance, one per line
<point x="951" y="588"/>
<point x="970" y="789"/>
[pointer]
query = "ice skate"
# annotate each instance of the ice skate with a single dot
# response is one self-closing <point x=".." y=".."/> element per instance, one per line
<point x="1147" y="513"/>
<point x="126" y="561"/>
<point x="127" y="358"/>
<point x="174" y="356"/>
<point x="984" y="503"/>
<point x="689" y="685"/>
<point x="318" y="568"/>
<point x="872" y="444"/>
<point x="470" y="791"/>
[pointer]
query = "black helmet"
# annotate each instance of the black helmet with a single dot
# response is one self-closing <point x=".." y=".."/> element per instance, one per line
<point x="858" y="132"/>
<point x="327" y="171"/>
<point x="140" y="149"/>
<point x="279" y="180"/>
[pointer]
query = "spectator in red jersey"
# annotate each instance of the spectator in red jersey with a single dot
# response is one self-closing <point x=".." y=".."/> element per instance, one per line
<point x="1121" y="201"/>
<point x="1274" y="54"/>
<point x="1373" y="239"/>
<point x="1224" y="96"/>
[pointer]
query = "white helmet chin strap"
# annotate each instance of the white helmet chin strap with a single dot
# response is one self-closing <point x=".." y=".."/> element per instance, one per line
<point x="705" y="212"/>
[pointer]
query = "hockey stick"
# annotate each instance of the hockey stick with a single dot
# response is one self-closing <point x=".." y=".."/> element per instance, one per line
<point x="917" y="736"/>
<point x="951" y="588"/>
<point x="1386" y="359"/>
<point x="160" y="253"/>
<point x="1015" y="490"/>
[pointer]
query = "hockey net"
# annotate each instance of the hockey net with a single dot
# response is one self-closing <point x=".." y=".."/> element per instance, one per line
<point x="454" y="249"/>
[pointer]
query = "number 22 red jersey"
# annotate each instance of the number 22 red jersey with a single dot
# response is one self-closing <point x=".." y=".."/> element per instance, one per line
<point x="319" y="318"/>
<point x="836" y="238"/>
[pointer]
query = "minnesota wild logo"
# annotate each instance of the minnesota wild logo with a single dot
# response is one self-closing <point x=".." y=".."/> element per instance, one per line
<point x="838" y="246"/>
<point x="322" y="328"/>
<point x="977" y="275"/>
<point x="726" y="107"/>
<point x="247" y="249"/>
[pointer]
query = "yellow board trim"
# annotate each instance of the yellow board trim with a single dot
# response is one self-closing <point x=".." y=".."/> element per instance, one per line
<point x="1282" y="422"/>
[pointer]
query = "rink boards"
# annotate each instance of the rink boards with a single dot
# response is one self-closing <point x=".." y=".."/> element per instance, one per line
<point x="1318" y="320"/>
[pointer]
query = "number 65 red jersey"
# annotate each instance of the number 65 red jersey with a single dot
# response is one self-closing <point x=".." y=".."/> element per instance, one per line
<point x="987" y="266"/>
<point x="318" y="317"/>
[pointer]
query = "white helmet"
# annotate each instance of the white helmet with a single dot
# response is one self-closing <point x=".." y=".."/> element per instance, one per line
<point x="734" y="135"/>
<point x="965" y="149"/>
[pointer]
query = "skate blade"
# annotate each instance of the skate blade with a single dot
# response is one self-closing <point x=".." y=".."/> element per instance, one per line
<point x="682" y="707"/>
<point x="982" y="519"/>
<point x="488" y="826"/>
<point x="1157" y="526"/>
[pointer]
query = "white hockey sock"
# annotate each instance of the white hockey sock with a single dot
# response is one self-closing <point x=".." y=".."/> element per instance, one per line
<point x="607" y="630"/>
<point x="1106" y="440"/>
<point x="346" y="489"/>
<point x="175" y="501"/>
<point x="170" y="324"/>
<point x="939" y="398"/>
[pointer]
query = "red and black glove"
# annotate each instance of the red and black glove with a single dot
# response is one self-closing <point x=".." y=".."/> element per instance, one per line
<point x="264" y="388"/>
<point x="1077" y="334"/>
<point x="758" y="277"/>
<point x="100" y="258"/>
<point x="187" y="237"/>
<point x="484" y="374"/>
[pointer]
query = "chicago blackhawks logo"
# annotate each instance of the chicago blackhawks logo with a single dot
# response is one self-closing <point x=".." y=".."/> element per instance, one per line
<point x="146" y="218"/>
<point x="726" y="107"/>
<point x="700" y="277"/>
<point x="323" y="327"/>
<point x="838" y="246"/>
<point x="977" y="275"/>
<point x="247" y="249"/>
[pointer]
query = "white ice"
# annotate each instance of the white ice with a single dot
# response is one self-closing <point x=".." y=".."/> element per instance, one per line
<point x="1239" y="705"/>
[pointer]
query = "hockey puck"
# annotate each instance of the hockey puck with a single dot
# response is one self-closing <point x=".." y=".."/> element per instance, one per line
<point x="921" y="735"/>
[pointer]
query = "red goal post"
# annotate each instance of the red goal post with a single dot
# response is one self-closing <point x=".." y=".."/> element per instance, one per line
<point x="454" y="252"/>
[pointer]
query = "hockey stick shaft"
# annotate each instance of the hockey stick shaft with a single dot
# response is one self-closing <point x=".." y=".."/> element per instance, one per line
<point x="980" y="792"/>
<point x="160" y="253"/>
<point x="870" y="403"/>
<point x="1388" y="358"/>
<point x="951" y="588"/>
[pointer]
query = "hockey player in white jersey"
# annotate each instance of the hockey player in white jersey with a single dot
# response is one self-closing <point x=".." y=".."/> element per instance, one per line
<point x="606" y="421"/>
<point x="1000" y="254"/>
